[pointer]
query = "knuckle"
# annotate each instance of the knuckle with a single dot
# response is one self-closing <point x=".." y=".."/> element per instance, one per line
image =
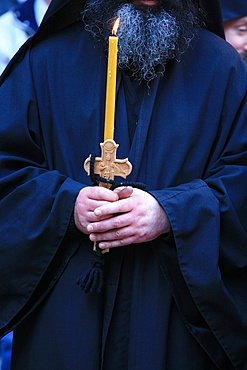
<point x="118" y="234"/>
<point x="116" y="222"/>
<point x="122" y="242"/>
<point x="142" y="232"/>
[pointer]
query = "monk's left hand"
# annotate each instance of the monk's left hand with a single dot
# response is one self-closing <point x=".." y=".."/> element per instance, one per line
<point x="136" y="217"/>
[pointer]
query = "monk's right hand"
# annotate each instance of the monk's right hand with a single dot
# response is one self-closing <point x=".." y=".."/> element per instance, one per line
<point x="88" y="199"/>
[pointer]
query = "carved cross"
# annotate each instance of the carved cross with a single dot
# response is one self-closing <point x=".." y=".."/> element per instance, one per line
<point x="107" y="166"/>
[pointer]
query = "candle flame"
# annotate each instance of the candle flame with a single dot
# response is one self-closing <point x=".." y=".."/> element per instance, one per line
<point x="116" y="25"/>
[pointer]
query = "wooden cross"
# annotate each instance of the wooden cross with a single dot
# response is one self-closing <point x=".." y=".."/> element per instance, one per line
<point x="107" y="166"/>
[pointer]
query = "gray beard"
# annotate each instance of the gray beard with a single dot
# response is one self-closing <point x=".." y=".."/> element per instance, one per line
<point x="148" y="39"/>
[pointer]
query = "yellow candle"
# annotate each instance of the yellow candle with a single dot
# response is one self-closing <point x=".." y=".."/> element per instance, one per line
<point x="111" y="84"/>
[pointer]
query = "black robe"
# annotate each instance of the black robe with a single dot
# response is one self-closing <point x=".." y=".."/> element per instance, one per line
<point x="173" y="303"/>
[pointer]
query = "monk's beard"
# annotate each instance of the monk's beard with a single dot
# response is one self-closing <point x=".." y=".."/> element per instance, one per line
<point x="148" y="37"/>
<point x="146" y="40"/>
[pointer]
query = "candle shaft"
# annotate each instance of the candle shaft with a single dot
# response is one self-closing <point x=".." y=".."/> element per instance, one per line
<point x="111" y="88"/>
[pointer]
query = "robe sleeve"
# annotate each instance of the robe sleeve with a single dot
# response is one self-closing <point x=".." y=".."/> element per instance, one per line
<point x="206" y="263"/>
<point x="36" y="205"/>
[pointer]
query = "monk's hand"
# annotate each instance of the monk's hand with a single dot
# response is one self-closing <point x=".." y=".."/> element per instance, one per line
<point x="135" y="217"/>
<point x="89" y="199"/>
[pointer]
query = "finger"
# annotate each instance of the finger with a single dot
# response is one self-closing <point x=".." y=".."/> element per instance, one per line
<point x="124" y="192"/>
<point x="117" y="243"/>
<point x="119" y="235"/>
<point x="120" y="206"/>
<point x="110" y="223"/>
<point x="101" y="193"/>
<point x="94" y="204"/>
<point x="97" y="193"/>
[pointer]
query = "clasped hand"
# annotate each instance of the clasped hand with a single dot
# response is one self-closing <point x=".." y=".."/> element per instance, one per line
<point x="121" y="217"/>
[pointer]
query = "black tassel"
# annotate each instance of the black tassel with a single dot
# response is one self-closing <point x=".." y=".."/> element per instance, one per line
<point x="92" y="280"/>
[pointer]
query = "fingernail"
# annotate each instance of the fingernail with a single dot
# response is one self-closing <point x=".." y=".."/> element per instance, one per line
<point x="90" y="228"/>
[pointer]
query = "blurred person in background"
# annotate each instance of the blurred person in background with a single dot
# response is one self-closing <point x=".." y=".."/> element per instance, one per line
<point x="235" y="24"/>
<point x="17" y="25"/>
<point x="5" y="351"/>
<point x="18" y="21"/>
<point x="6" y="5"/>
